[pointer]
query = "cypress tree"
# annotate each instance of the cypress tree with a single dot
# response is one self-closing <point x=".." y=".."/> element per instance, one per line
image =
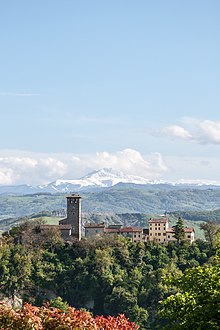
<point x="179" y="233"/>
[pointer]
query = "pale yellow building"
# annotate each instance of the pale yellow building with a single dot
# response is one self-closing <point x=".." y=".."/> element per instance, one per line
<point x="158" y="229"/>
<point x="160" y="232"/>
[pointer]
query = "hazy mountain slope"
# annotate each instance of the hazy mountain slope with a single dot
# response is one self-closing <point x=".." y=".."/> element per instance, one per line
<point x="115" y="200"/>
<point x="102" y="179"/>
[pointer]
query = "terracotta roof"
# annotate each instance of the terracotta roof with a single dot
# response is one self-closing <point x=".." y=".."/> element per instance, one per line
<point x="94" y="225"/>
<point x="170" y="230"/>
<point x="160" y="220"/>
<point x="186" y="230"/>
<point x="123" y="230"/>
<point x="189" y="230"/>
<point x="130" y="229"/>
<point x="111" y="230"/>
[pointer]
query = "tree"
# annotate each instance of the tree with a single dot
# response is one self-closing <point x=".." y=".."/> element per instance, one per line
<point x="196" y="305"/>
<point x="59" y="303"/>
<point x="15" y="270"/>
<point x="211" y="230"/>
<point x="179" y="233"/>
<point x="125" y="301"/>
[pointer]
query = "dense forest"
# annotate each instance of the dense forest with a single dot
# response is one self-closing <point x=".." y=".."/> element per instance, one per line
<point x="108" y="275"/>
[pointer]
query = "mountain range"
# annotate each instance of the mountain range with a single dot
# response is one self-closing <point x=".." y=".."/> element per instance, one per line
<point x="102" y="179"/>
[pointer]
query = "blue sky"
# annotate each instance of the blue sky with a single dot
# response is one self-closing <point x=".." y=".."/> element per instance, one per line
<point x="132" y="85"/>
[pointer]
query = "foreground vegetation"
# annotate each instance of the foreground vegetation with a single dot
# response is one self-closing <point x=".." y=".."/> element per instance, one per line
<point x="110" y="276"/>
<point x="50" y="318"/>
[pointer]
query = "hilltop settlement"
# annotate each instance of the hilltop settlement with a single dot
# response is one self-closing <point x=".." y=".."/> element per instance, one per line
<point x="158" y="228"/>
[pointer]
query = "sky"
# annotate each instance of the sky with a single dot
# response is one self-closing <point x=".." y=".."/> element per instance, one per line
<point x="128" y="85"/>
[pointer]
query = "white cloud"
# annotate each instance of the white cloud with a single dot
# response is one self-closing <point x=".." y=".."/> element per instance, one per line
<point x="23" y="167"/>
<point x="132" y="162"/>
<point x="177" y="132"/>
<point x="209" y="132"/>
<point x="201" y="131"/>
<point x="20" y="169"/>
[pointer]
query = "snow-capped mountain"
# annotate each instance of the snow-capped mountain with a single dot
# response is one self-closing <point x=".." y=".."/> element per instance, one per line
<point x="101" y="179"/>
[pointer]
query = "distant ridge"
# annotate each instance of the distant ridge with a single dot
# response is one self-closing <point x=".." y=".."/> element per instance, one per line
<point x="103" y="179"/>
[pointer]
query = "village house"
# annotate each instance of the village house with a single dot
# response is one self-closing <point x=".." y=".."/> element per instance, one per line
<point x="159" y="231"/>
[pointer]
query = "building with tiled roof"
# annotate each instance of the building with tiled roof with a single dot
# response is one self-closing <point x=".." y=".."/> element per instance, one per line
<point x="134" y="233"/>
<point x="159" y="231"/>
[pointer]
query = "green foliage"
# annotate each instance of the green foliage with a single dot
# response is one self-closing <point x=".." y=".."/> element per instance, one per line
<point x="211" y="230"/>
<point x="196" y="305"/>
<point x="109" y="275"/>
<point x="179" y="233"/>
<point x="59" y="303"/>
<point x="202" y="215"/>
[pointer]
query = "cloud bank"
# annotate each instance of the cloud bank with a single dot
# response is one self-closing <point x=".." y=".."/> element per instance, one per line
<point x="23" y="167"/>
<point x="201" y="131"/>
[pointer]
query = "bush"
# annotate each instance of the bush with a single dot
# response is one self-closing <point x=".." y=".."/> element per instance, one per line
<point x="50" y="318"/>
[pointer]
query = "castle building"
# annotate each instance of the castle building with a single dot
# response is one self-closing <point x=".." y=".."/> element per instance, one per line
<point x="94" y="230"/>
<point x="65" y="230"/>
<point x="158" y="231"/>
<point x="74" y="216"/>
<point x="134" y="233"/>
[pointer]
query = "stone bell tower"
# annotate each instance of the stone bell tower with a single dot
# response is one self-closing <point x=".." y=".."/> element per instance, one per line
<point x="73" y="215"/>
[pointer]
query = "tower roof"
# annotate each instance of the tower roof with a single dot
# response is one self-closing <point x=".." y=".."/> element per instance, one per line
<point x="74" y="196"/>
<point x="160" y="220"/>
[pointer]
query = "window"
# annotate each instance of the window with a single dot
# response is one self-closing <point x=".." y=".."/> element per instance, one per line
<point x="189" y="236"/>
<point x="168" y="236"/>
<point x="164" y="234"/>
<point x="159" y="234"/>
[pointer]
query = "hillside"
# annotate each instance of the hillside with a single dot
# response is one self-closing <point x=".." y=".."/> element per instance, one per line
<point x="117" y="199"/>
